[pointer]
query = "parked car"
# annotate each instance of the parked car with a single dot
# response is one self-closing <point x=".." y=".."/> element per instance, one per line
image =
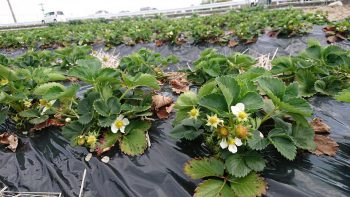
<point x="101" y="14"/>
<point x="53" y="17"/>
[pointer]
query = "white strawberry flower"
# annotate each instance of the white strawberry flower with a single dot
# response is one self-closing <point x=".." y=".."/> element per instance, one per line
<point x="119" y="124"/>
<point x="213" y="121"/>
<point x="238" y="111"/>
<point x="47" y="106"/>
<point x="231" y="144"/>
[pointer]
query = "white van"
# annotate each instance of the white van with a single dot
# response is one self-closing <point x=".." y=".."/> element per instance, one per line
<point x="53" y="17"/>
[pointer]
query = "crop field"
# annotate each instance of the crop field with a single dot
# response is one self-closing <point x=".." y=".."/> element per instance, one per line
<point x="213" y="125"/>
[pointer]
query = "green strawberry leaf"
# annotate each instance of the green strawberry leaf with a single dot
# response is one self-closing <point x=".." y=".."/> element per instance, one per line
<point x="250" y="185"/>
<point x="213" y="188"/>
<point x="206" y="167"/>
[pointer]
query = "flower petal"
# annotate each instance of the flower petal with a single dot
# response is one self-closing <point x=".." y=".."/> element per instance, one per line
<point x="238" y="141"/>
<point x="122" y="129"/>
<point x="223" y="143"/>
<point x="261" y="135"/>
<point x="240" y="106"/>
<point x="235" y="110"/>
<point x="52" y="102"/>
<point x="120" y="117"/>
<point x="232" y="148"/>
<point x="44" y="110"/>
<point x="125" y="121"/>
<point x="114" y="129"/>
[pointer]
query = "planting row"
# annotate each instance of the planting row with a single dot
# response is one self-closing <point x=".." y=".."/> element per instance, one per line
<point x="239" y="26"/>
<point x="241" y="111"/>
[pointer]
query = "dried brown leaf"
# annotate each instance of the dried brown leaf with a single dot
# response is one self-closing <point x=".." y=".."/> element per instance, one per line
<point x="164" y="112"/>
<point x="175" y="75"/>
<point x="72" y="79"/>
<point x="170" y="108"/>
<point x="332" y="39"/>
<point x="159" y="43"/>
<point x="9" y="139"/>
<point x="325" y="146"/>
<point x="232" y="43"/>
<point x="251" y="41"/>
<point x="47" y="123"/>
<point x="159" y="101"/>
<point x="319" y="126"/>
<point x="329" y="28"/>
<point x="272" y="33"/>
<point x="180" y="85"/>
<point x="340" y="36"/>
<point x="330" y="33"/>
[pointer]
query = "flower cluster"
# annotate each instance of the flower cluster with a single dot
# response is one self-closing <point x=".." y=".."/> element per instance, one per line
<point x="232" y="133"/>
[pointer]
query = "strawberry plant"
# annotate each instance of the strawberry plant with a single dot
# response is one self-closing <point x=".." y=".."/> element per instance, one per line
<point x="322" y="70"/>
<point x="32" y="96"/>
<point x="238" y="125"/>
<point x="211" y="64"/>
<point x="146" y="61"/>
<point x="114" y="110"/>
<point x="244" y="26"/>
<point x="338" y="31"/>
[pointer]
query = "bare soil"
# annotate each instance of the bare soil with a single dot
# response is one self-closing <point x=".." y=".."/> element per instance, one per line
<point x="334" y="13"/>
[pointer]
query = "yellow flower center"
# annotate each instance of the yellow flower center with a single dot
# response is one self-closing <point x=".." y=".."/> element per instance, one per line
<point x="27" y="103"/>
<point x="213" y="120"/>
<point x="231" y="141"/>
<point x="194" y="113"/>
<point x="91" y="139"/>
<point x="242" y="115"/>
<point x="4" y="82"/>
<point x="119" y="124"/>
<point x="43" y="102"/>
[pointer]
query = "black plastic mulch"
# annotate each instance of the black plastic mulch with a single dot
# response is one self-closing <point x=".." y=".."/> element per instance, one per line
<point x="47" y="162"/>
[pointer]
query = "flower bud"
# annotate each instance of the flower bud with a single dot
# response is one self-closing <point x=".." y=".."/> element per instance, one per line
<point x="241" y="131"/>
<point x="81" y="140"/>
<point x="223" y="131"/>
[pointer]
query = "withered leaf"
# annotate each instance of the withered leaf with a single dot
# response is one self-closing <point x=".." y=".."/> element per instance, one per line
<point x="329" y="28"/>
<point x="330" y="33"/>
<point x="159" y="43"/>
<point x="251" y="41"/>
<point x="340" y="36"/>
<point x="319" y="126"/>
<point x="159" y="101"/>
<point x="272" y="33"/>
<point x="232" y="43"/>
<point x="162" y="106"/>
<point x="332" y="39"/>
<point x="179" y="85"/>
<point x="72" y="79"/>
<point x="325" y="146"/>
<point x="178" y="81"/>
<point x="9" y="139"/>
<point x="47" y="123"/>
<point x="164" y="112"/>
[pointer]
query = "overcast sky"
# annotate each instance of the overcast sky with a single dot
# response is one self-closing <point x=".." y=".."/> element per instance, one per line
<point x="30" y="10"/>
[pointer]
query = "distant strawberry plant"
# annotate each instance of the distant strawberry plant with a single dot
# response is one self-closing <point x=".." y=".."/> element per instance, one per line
<point x="241" y="26"/>
<point x="317" y="69"/>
